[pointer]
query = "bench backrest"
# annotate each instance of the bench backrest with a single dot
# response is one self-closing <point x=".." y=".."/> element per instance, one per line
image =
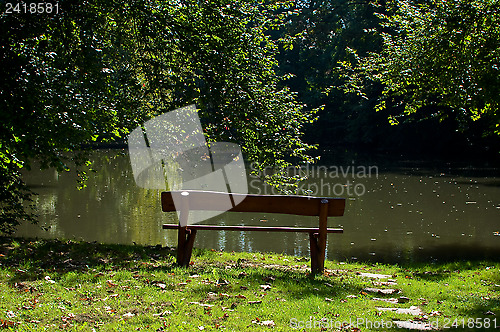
<point x="217" y="201"/>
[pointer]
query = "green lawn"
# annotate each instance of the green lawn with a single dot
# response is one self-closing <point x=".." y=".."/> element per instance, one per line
<point x="78" y="286"/>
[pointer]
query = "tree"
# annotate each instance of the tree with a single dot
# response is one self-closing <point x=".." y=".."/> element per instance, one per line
<point x="439" y="60"/>
<point x="97" y="69"/>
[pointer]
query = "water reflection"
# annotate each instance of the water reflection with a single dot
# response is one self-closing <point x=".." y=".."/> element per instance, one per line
<point x="406" y="213"/>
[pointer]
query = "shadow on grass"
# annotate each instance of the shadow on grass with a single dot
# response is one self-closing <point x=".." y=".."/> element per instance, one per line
<point x="32" y="259"/>
<point x="296" y="282"/>
<point x="29" y="258"/>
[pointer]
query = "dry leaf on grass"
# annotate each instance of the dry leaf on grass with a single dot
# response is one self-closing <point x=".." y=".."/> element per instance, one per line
<point x="264" y="322"/>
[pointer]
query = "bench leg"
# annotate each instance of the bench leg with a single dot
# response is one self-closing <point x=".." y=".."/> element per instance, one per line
<point x="185" y="242"/>
<point x="316" y="263"/>
<point x="323" y="220"/>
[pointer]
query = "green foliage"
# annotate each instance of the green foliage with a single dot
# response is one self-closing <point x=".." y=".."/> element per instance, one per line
<point x="97" y="69"/>
<point x="13" y="193"/>
<point x="440" y="59"/>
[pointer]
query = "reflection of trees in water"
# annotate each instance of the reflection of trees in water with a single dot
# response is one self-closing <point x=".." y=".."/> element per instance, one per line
<point x="401" y="211"/>
<point x="110" y="209"/>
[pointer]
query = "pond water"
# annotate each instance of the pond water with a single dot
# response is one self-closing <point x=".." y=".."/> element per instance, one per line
<point x="396" y="211"/>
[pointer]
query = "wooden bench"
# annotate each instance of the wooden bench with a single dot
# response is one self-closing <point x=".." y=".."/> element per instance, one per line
<point x="211" y="201"/>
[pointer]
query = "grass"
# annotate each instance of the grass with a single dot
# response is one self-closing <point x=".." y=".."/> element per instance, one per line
<point x="52" y="285"/>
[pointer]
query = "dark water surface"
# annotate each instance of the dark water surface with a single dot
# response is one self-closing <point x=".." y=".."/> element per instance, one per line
<point x="397" y="211"/>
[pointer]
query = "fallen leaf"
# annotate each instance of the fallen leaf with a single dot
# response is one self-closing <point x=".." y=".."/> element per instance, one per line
<point x="264" y="323"/>
<point x="6" y="323"/>
<point x="202" y="304"/>
<point x="110" y="283"/>
<point x="109" y="309"/>
<point x="267" y="323"/>
<point x="47" y="278"/>
<point x="161" y="314"/>
<point x="222" y="282"/>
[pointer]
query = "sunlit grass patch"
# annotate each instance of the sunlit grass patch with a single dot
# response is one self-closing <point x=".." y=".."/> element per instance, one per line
<point x="66" y="285"/>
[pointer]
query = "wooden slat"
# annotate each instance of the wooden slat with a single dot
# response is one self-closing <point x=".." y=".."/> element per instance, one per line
<point x="218" y="201"/>
<point x="254" y="228"/>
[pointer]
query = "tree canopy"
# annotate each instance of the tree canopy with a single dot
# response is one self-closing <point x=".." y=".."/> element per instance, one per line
<point x="439" y="59"/>
<point x="97" y="69"/>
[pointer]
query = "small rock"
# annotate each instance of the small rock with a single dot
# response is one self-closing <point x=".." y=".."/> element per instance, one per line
<point x="391" y="300"/>
<point x="413" y="310"/>
<point x="374" y="275"/>
<point x="387" y="291"/>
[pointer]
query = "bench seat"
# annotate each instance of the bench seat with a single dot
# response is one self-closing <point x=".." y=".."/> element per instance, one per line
<point x="193" y="200"/>
<point x="254" y="228"/>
